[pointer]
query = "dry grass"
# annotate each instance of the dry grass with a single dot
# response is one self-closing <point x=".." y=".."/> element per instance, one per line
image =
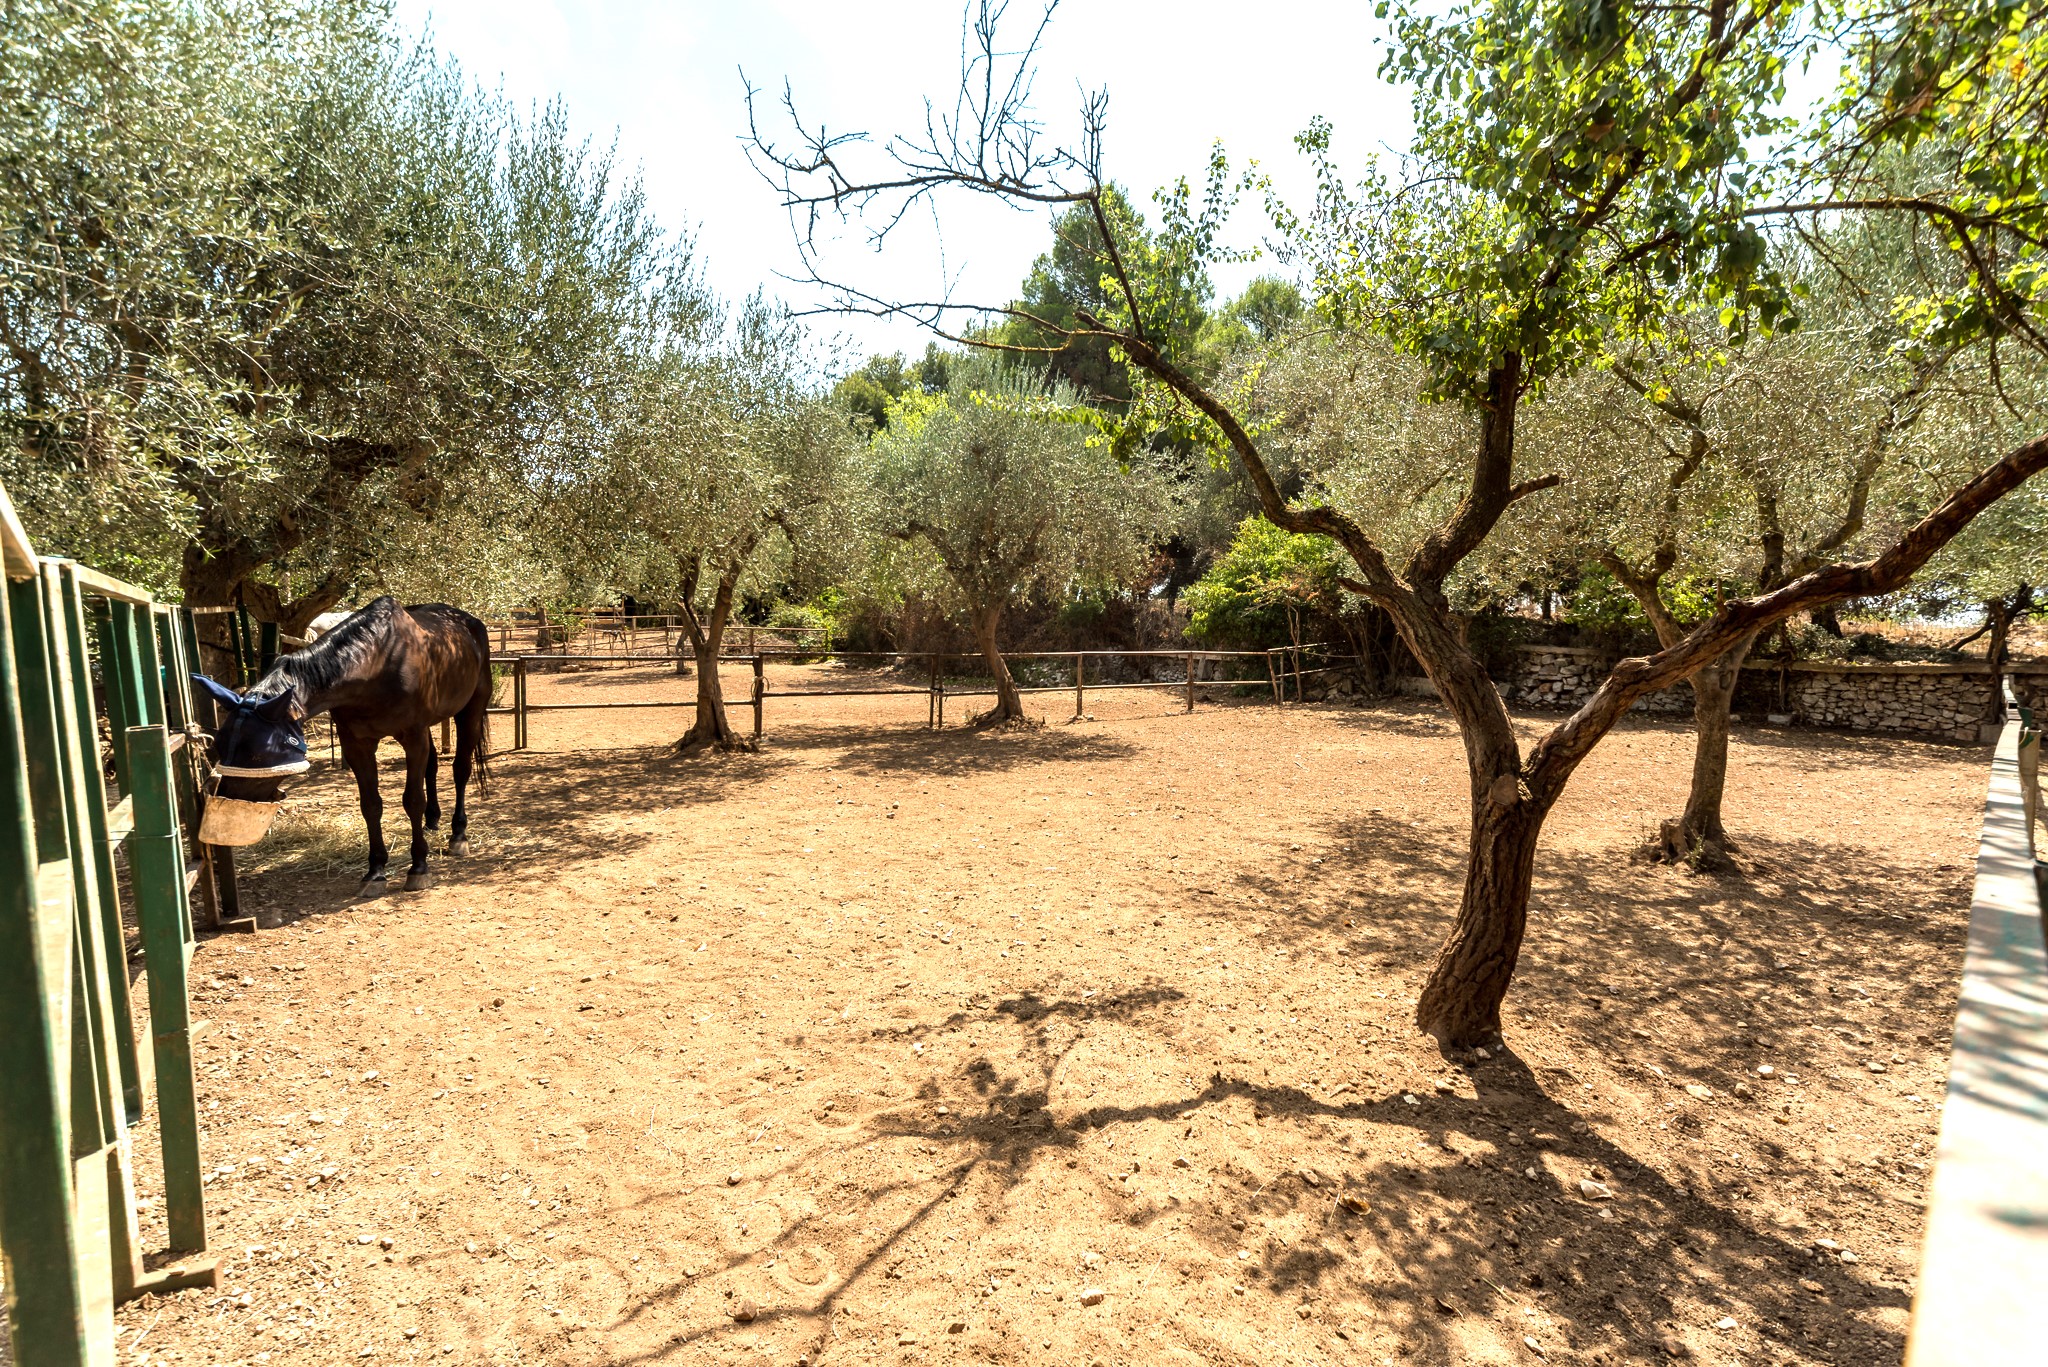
<point x="320" y="831"/>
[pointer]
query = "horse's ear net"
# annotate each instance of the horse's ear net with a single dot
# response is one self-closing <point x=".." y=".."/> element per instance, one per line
<point x="220" y="691"/>
<point x="282" y="707"/>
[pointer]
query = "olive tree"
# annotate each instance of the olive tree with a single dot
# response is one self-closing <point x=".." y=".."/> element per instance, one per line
<point x="1003" y="493"/>
<point x="726" y="473"/>
<point x="1575" y="172"/>
<point x="1807" y="430"/>
<point x="280" y="282"/>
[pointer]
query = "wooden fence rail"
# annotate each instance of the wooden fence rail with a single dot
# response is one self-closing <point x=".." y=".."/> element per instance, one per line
<point x="1281" y="664"/>
<point x="72" y="1082"/>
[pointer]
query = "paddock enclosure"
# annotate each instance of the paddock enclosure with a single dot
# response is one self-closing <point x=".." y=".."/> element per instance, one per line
<point x="1084" y="1043"/>
<point x="783" y="687"/>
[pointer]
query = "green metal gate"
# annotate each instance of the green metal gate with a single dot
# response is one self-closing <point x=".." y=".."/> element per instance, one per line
<point x="72" y="1081"/>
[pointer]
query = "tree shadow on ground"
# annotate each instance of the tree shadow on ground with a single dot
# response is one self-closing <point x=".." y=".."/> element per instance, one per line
<point x="1810" y="959"/>
<point x="955" y="752"/>
<point x="1482" y="1223"/>
<point x="542" y="808"/>
<point x="536" y="806"/>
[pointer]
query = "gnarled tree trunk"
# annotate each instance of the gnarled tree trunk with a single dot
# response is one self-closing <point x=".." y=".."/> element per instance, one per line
<point x="1009" y="703"/>
<point x="1999" y="615"/>
<point x="712" y="729"/>
<point x="213" y="581"/>
<point x="1697" y="837"/>
<point x="1460" y="1004"/>
<point x="294" y="616"/>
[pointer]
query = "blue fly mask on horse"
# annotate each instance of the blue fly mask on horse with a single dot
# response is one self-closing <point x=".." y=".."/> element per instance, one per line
<point x="260" y="743"/>
<point x="261" y="738"/>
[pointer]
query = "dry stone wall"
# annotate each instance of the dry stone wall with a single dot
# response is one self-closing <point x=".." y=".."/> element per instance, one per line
<point x="1565" y="676"/>
<point x="1947" y="702"/>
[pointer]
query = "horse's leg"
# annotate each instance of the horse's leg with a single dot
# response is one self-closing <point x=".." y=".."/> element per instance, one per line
<point x="433" y="783"/>
<point x="469" y="733"/>
<point x="418" y="746"/>
<point x="359" y="752"/>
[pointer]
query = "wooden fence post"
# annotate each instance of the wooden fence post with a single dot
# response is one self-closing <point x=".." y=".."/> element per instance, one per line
<point x="1273" y="679"/>
<point x="1299" y="694"/>
<point x="760" y="692"/>
<point x="519" y="703"/>
<point x="1191" y="682"/>
<point x="1080" y="699"/>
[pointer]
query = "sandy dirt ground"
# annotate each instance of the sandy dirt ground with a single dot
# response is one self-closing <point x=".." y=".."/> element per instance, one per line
<point x="1088" y="1044"/>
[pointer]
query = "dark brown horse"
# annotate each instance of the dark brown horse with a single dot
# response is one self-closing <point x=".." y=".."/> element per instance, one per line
<point x="386" y="671"/>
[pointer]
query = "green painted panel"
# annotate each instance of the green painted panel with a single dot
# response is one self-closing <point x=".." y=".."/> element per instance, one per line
<point x="105" y="897"/>
<point x="157" y="866"/>
<point x="47" y="1316"/>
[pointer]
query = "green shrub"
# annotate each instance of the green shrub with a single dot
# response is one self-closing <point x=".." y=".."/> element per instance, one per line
<point x="805" y="626"/>
<point x="1084" y="612"/>
<point x="1256" y="594"/>
<point x="1598" y="602"/>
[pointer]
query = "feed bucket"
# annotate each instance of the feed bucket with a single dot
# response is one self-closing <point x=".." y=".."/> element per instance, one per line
<point x="232" y="821"/>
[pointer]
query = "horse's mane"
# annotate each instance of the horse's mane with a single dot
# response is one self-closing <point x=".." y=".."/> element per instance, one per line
<point x="334" y="657"/>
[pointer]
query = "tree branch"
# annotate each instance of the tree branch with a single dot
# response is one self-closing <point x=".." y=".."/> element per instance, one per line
<point x="1554" y="758"/>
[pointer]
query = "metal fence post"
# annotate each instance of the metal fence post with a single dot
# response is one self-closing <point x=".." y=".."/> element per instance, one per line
<point x="106" y="1087"/>
<point x="1080" y="701"/>
<point x="224" y="903"/>
<point x="158" y="866"/>
<point x="53" y="1315"/>
<point x="93" y="801"/>
<point x="1191" y="682"/>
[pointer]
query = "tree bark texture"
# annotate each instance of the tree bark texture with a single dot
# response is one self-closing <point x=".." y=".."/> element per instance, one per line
<point x="712" y="729"/>
<point x="1999" y="616"/>
<point x="1009" y="703"/>
<point x="1697" y="836"/>
<point x="1460" y="1004"/>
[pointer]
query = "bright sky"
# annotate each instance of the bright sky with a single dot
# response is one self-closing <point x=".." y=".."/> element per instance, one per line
<point x="663" y="78"/>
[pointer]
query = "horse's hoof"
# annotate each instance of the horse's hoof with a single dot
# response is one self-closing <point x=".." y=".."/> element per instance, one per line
<point x="373" y="886"/>
<point x="458" y="847"/>
<point x="418" y="882"/>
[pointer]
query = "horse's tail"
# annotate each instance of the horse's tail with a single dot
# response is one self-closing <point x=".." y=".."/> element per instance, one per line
<point x="483" y="747"/>
<point x="480" y="701"/>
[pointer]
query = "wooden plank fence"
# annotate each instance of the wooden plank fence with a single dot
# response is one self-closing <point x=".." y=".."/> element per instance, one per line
<point x="72" y="1082"/>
